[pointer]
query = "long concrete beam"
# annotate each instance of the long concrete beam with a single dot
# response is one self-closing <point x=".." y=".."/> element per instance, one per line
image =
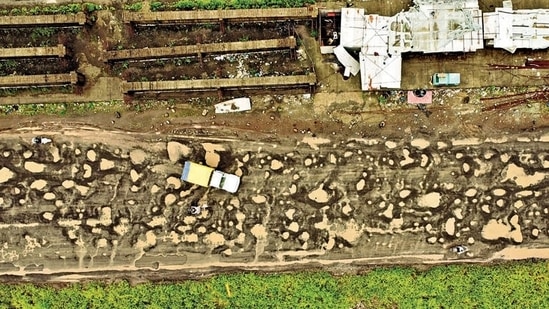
<point x="186" y="50"/>
<point x="13" y="81"/>
<point x="46" y="20"/>
<point x="216" y="15"/>
<point x="220" y="83"/>
<point x="22" y="52"/>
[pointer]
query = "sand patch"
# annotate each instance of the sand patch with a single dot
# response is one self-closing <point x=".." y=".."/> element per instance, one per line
<point x="38" y="184"/>
<point x="173" y="182"/>
<point x="496" y="229"/>
<point x="404" y="193"/>
<point x="106" y="216"/>
<point x="87" y="171"/>
<point x="134" y="175"/>
<point x="390" y="144"/>
<point x="137" y="156"/>
<point x="27" y="154"/>
<point x="388" y="213"/>
<point x="518" y="175"/>
<point x="429" y="200"/>
<point x="214" y="239"/>
<point x="177" y="151"/>
<point x="170" y="199"/>
<point x="34" y="167"/>
<point x="83" y="190"/>
<point x="276" y="165"/>
<point x="319" y="195"/>
<point x="101" y="243"/>
<point x="150" y="240"/>
<point x="466" y="142"/>
<point x="407" y="159"/>
<point x="209" y="147"/>
<point x="314" y="142"/>
<point x="54" y="151"/>
<point x="350" y="231"/>
<point x="106" y="164"/>
<point x="293" y="227"/>
<point x="67" y="184"/>
<point x="420" y="143"/>
<point x="49" y="196"/>
<point x="157" y="221"/>
<point x="360" y="185"/>
<point x="450" y="226"/>
<point x="471" y="192"/>
<point x="518" y="253"/>
<point x="259" y="199"/>
<point x="259" y="231"/>
<point x="212" y="158"/>
<point x="91" y="155"/>
<point x="290" y="213"/>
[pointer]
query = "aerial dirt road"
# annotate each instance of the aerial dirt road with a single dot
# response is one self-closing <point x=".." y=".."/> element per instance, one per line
<point x="94" y="202"/>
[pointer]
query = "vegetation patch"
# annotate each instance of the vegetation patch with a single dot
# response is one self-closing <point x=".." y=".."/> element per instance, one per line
<point x="188" y="5"/>
<point x="61" y="109"/>
<point x="513" y="285"/>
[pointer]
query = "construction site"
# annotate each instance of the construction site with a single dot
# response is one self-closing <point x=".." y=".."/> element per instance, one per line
<point x="350" y="154"/>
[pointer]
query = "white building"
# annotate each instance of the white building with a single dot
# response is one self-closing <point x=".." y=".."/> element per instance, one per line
<point x="431" y="26"/>
<point x="510" y="30"/>
<point x="379" y="68"/>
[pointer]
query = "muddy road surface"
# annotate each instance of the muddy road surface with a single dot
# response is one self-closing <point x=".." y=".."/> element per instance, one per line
<point x="94" y="202"/>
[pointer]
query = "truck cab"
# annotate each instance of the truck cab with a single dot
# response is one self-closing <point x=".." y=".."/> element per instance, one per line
<point x="224" y="181"/>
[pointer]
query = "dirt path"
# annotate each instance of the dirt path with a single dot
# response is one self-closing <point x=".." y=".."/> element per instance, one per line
<point x="96" y="201"/>
<point x="322" y="183"/>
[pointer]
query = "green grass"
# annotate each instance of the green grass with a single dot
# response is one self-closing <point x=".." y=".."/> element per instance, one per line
<point x="64" y="109"/>
<point x="222" y="4"/>
<point x="515" y="285"/>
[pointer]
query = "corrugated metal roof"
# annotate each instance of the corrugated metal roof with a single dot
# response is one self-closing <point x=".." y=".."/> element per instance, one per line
<point x="352" y="27"/>
<point x="347" y="60"/>
<point x="380" y="72"/>
<point x="512" y="29"/>
<point x="430" y="26"/>
<point x="437" y="26"/>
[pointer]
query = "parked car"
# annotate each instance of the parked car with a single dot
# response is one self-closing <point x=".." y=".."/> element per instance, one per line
<point x="37" y="140"/>
<point x="446" y="79"/>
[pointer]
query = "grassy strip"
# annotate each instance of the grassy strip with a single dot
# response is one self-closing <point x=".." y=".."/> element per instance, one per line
<point x="185" y="5"/>
<point x="62" y="109"/>
<point x="515" y="285"/>
<point x="51" y="9"/>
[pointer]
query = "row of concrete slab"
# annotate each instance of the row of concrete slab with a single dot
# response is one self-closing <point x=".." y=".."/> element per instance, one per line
<point x="79" y="19"/>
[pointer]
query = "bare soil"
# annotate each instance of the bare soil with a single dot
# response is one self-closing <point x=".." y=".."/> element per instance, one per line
<point x="274" y="63"/>
<point x="142" y="37"/>
<point x="322" y="183"/>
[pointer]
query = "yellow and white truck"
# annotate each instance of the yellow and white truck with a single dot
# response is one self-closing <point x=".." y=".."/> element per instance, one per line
<point x="206" y="176"/>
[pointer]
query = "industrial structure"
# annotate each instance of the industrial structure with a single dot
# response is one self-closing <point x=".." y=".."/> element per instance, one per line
<point x="513" y="29"/>
<point x="220" y="84"/>
<point x="42" y="80"/>
<point x="201" y="49"/>
<point x="78" y="19"/>
<point x="221" y="16"/>
<point x="373" y="45"/>
<point x="23" y="52"/>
